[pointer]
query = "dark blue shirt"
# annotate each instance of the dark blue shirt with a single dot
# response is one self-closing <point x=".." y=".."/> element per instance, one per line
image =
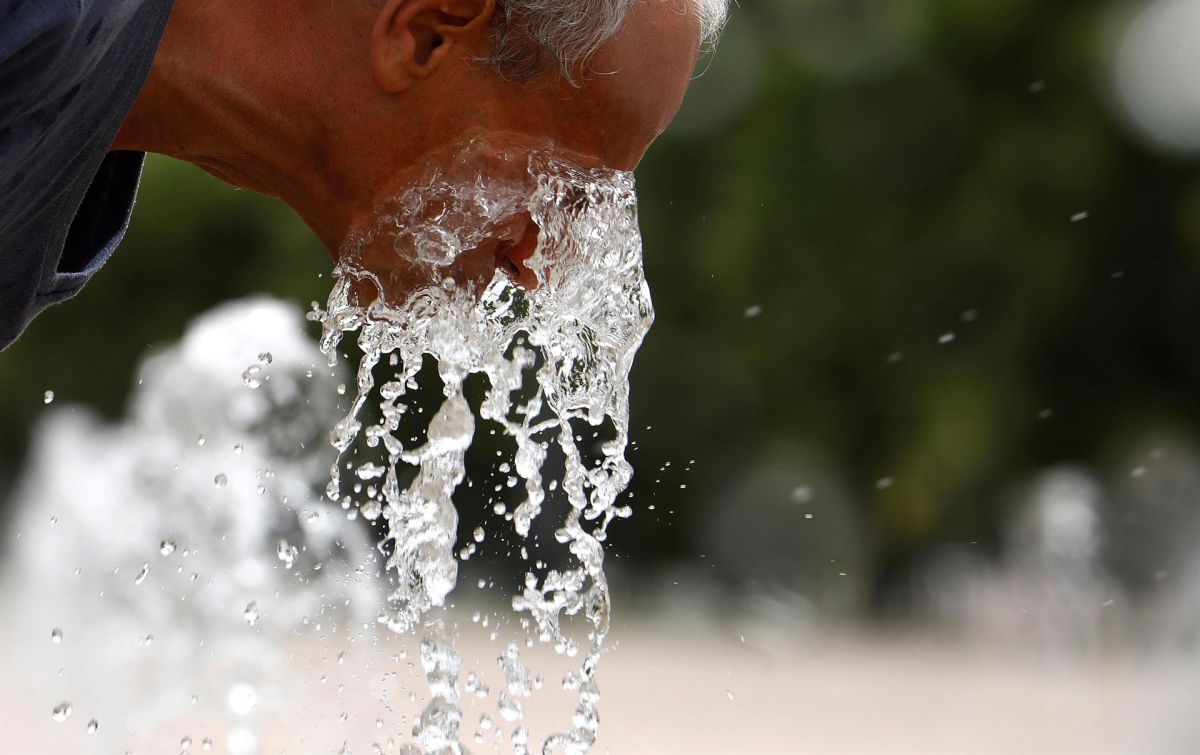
<point x="69" y="73"/>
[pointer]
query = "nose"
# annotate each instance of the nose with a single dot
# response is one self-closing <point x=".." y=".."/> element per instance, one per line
<point x="507" y="249"/>
<point x="513" y="254"/>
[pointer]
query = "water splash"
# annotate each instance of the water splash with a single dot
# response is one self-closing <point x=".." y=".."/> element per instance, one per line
<point x="556" y="360"/>
<point x="139" y="590"/>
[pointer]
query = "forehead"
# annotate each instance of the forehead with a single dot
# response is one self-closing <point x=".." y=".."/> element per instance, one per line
<point x="636" y="82"/>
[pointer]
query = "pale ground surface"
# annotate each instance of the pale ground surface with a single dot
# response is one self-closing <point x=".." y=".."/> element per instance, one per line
<point x="666" y="695"/>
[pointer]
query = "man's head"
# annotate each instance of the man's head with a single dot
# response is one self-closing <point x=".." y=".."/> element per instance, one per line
<point x="599" y="77"/>
<point x="337" y="107"/>
<point x="593" y="80"/>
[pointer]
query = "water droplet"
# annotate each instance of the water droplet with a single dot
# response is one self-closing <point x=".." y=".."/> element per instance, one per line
<point x="61" y="712"/>
<point x="802" y="494"/>
<point x="884" y="483"/>
<point x="1079" y="217"/>
<point x="48" y="397"/>
<point x="250" y="378"/>
<point x="286" y="553"/>
<point x="509" y="707"/>
<point x="92" y="726"/>
<point x="142" y="574"/>
<point x="478" y="534"/>
<point x="946" y="338"/>
<point x="206" y="743"/>
<point x="251" y="613"/>
<point x="370" y="471"/>
<point x="185" y="743"/>
<point x="167" y="547"/>
<point x="221" y="480"/>
<point x="729" y="694"/>
<point x="200" y="441"/>
<point x="265" y="357"/>
<point x="753" y="311"/>
<point x="56" y="635"/>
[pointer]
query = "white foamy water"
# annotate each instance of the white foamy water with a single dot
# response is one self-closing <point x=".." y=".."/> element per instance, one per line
<point x="556" y="360"/>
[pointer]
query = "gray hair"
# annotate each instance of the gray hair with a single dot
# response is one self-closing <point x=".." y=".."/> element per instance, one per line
<point x="531" y="35"/>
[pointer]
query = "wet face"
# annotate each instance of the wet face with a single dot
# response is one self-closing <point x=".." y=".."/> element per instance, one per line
<point x="627" y="96"/>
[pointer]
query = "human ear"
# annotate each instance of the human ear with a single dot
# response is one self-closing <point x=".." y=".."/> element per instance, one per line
<point x="411" y="38"/>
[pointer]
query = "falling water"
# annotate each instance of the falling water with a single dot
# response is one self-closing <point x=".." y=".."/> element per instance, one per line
<point x="556" y="360"/>
<point x="145" y="604"/>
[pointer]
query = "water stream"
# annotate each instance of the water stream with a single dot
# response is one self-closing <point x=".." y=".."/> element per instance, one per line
<point x="555" y="362"/>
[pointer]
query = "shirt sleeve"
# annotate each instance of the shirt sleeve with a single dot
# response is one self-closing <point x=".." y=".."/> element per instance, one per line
<point x="34" y="37"/>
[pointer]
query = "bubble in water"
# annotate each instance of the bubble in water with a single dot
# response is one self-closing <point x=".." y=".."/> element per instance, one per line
<point x="220" y="480"/>
<point x="251" y="613"/>
<point x="185" y="743"/>
<point x="61" y="712"/>
<point x="93" y="726"/>
<point x="56" y="635"/>
<point x="265" y="357"/>
<point x="48" y="397"/>
<point x="206" y="743"/>
<point x="142" y="574"/>
<point x="167" y="547"/>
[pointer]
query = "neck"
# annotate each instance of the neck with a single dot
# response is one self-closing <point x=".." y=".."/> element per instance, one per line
<point x="245" y="91"/>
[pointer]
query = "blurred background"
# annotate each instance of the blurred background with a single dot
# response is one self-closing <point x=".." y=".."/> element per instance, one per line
<point x="919" y="419"/>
